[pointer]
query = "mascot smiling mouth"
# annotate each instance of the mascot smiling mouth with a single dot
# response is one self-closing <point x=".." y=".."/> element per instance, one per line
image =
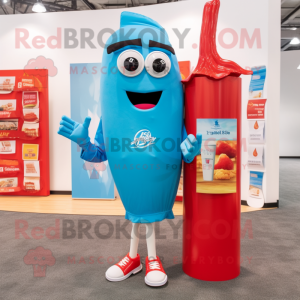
<point x="144" y="101"/>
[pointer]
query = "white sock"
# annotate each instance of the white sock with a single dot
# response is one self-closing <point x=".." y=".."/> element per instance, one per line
<point x="134" y="242"/>
<point x="150" y="238"/>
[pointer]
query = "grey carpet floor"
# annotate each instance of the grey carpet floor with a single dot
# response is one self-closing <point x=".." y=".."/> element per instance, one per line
<point x="270" y="267"/>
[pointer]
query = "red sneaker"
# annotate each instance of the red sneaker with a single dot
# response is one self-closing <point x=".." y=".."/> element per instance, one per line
<point x="124" y="268"/>
<point x="155" y="273"/>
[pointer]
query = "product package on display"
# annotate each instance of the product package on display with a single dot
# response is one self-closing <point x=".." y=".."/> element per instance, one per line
<point x="256" y="156"/>
<point x="256" y="90"/>
<point x="256" y="196"/>
<point x="256" y="134"/>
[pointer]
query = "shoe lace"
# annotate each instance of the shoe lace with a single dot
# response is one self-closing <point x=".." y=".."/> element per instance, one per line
<point x="154" y="265"/>
<point x="124" y="261"/>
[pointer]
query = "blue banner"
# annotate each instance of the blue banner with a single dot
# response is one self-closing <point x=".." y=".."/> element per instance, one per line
<point x="89" y="180"/>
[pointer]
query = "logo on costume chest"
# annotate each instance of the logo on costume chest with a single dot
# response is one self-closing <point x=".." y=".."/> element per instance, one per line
<point x="143" y="139"/>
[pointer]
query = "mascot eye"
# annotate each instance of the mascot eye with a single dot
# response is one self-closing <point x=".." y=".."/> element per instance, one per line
<point x="130" y="63"/>
<point x="158" y="64"/>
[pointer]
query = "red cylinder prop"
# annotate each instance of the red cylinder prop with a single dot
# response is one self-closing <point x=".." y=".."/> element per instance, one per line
<point x="211" y="229"/>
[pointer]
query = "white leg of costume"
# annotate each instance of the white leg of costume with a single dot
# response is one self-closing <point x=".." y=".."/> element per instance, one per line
<point x="150" y="238"/>
<point x="134" y="243"/>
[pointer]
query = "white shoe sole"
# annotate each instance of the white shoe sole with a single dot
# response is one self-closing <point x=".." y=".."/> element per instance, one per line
<point x="156" y="283"/>
<point x="136" y="270"/>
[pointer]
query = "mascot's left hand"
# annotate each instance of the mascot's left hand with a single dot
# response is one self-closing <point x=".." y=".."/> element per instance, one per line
<point x="191" y="146"/>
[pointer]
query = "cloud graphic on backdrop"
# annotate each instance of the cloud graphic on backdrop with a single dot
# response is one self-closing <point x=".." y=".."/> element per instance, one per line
<point x="41" y="63"/>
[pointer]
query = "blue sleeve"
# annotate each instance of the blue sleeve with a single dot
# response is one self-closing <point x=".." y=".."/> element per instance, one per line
<point x="95" y="152"/>
<point x="184" y="136"/>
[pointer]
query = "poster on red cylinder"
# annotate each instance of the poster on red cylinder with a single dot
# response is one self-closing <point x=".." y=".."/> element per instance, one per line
<point x="217" y="163"/>
<point x="24" y="133"/>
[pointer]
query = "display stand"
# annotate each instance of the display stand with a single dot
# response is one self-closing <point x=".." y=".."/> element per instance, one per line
<point x="212" y="194"/>
<point x="24" y="133"/>
<point x="211" y="229"/>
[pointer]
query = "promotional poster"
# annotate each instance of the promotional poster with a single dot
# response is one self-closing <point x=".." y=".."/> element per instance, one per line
<point x="216" y="165"/>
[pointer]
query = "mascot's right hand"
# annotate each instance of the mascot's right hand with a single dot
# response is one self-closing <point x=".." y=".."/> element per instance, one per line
<point x="76" y="132"/>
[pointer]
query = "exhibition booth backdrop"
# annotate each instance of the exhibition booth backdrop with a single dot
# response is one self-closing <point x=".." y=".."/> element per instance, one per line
<point x="248" y="33"/>
<point x="290" y="104"/>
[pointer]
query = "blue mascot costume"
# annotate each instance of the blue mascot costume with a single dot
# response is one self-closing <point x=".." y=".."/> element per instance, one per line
<point x="141" y="133"/>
